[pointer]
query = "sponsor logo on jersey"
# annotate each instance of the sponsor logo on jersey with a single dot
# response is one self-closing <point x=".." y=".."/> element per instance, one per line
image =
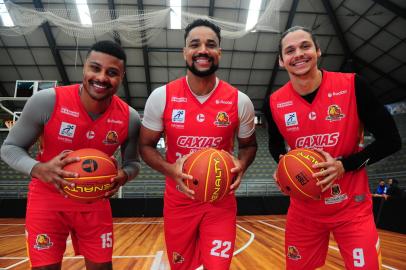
<point x="336" y="199"/>
<point x="111" y="137"/>
<point x="198" y="142"/>
<point x="291" y="119"/>
<point x="179" y="99"/>
<point x="293" y="253"/>
<point x="177" y="258"/>
<point x="292" y="129"/>
<point x="67" y="130"/>
<point x="222" y="119"/>
<point x="359" y="198"/>
<point x="339" y="93"/>
<point x="114" y="121"/>
<point x="318" y="140"/>
<point x="284" y="104"/>
<point x="69" y="112"/>
<point x="312" y="115"/>
<point x="220" y="101"/>
<point x="43" y="241"/>
<point x="178" y="126"/>
<point x="200" y="118"/>
<point x="337" y="196"/>
<point x="334" y="113"/>
<point x="90" y="134"/>
<point x="178" y="116"/>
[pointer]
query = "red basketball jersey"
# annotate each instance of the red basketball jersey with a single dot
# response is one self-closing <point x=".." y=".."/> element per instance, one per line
<point x="71" y="128"/>
<point x="190" y="125"/>
<point x="331" y="123"/>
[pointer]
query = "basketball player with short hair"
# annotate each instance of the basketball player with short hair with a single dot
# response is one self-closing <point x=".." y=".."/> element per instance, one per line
<point x="329" y="111"/>
<point x="70" y="118"/>
<point x="194" y="112"/>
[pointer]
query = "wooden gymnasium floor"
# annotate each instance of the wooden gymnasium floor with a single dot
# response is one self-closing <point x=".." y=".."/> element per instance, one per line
<point x="139" y="244"/>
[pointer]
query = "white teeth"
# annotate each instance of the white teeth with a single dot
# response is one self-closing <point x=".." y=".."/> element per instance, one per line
<point x="300" y="63"/>
<point x="202" y="60"/>
<point x="98" y="85"/>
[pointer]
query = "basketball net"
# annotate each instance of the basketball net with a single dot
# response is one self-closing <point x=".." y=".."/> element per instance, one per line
<point x="9" y="124"/>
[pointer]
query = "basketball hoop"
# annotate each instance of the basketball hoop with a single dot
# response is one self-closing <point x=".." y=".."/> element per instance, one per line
<point x="9" y="124"/>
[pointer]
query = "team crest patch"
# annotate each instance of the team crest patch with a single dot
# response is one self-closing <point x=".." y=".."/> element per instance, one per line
<point x="111" y="137"/>
<point x="335" y="190"/>
<point x="43" y="241"/>
<point x="177" y="258"/>
<point x="334" y="113"/>
<point x="293" y="253"/>
<point x="337" y="197"/>
<point x="222" y="119"/>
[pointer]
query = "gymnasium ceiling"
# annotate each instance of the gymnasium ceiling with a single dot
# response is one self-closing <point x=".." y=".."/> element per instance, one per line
<point x="365" y="36"/>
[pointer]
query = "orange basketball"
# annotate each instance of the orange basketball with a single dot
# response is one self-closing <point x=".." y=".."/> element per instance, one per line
<point x="211" y="173"/>
<point x="95" y="170"/>
<point x="295" y="171"/>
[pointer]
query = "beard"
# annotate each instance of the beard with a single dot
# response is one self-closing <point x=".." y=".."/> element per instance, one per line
<point x="203" y="73"/>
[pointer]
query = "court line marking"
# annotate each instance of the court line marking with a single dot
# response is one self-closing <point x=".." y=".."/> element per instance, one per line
<point x="10" y="235"/>
<point x="331" y="247"/>
<point x="139" y="222"/>
<point x="16" y="264"/>
<point x="157" y="260"/>
<point x="252" y="237"/>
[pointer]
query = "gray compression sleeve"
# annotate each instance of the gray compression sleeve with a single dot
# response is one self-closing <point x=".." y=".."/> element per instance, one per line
<point x="26" y="131"/>
<point x="129" y="150"/>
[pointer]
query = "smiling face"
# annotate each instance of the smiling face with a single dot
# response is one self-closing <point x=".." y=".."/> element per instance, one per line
<point x="202" y="52"/>
<point x="102" y="75"/>
<point x="299" y="53"/>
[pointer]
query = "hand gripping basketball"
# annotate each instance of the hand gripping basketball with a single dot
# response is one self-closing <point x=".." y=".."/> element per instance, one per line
<point x="95" y="171"/>
<point x="294" y="174"/>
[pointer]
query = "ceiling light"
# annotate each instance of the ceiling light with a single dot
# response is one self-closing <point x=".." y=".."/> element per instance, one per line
<point x="176" y="11"/>
<point x="5" y="16"/>
<point x="84" y="13"/>
<point x="253" y="14"/>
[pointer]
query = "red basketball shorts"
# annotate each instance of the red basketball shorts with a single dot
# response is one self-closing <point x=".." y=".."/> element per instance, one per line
<point x="200" y="234"/>
<point x="307" y="243"/>
<point x="47" y="233"/>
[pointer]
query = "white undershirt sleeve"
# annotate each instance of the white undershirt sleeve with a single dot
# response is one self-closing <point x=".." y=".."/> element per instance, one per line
<point x="154" y="109"/>
<point x="246" y="114"/>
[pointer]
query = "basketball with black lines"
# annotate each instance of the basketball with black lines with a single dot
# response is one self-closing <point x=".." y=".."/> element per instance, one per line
<point x="294" y="174"/>
<point x="95" y="170"/>
<point x="211" y="171"/>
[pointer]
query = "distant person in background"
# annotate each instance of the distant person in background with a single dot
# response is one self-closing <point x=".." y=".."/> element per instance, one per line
<point x="394" y="191"/>
<point x="87" y="115"/>
<point x="381" y="189"/>
<point x="328" y="111"/>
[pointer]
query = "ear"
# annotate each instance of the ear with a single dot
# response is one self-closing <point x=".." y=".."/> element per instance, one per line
<point x="220" y="53"/>
<point x="318" y="52"/>
<point x="281" y="62"/>
<point x="184" y="53"/>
